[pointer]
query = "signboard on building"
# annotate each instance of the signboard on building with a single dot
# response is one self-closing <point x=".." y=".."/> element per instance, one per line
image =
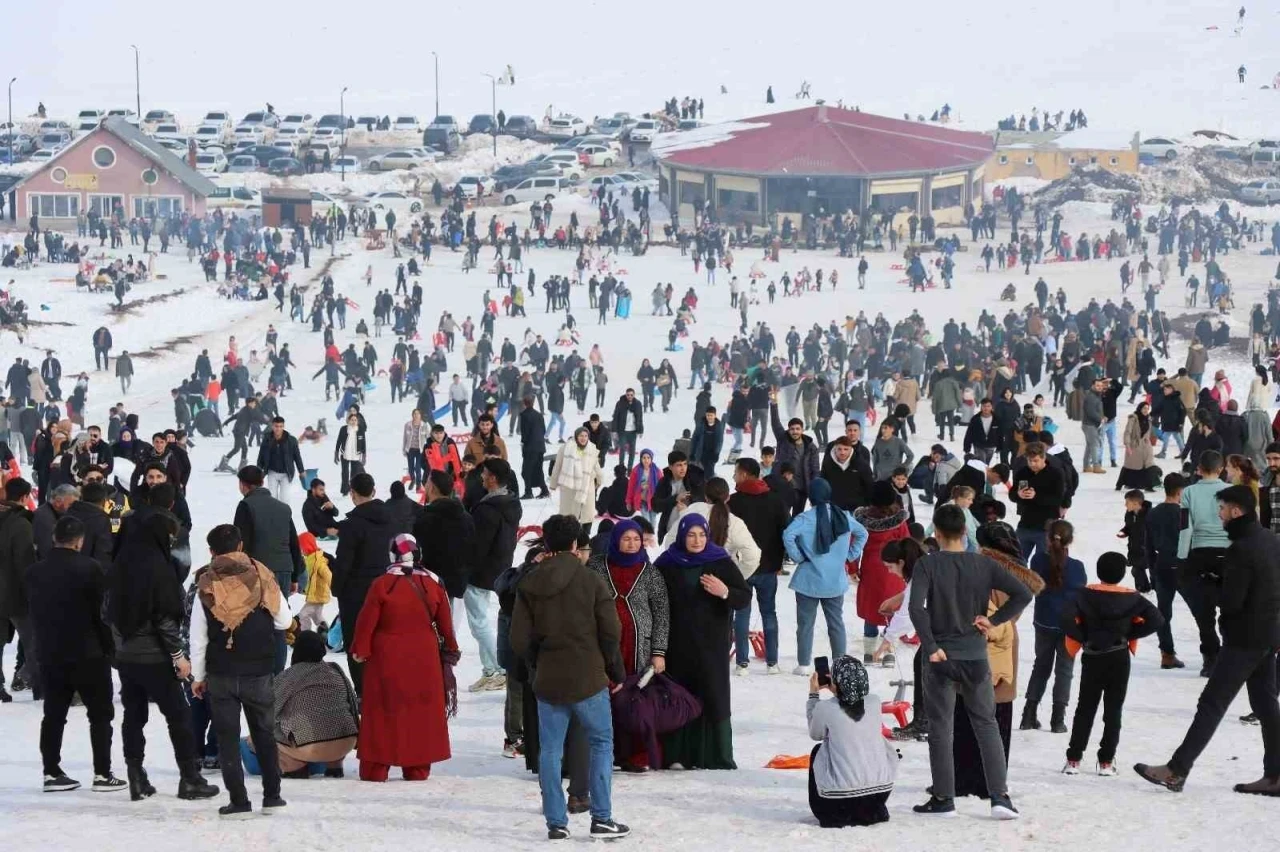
<point x="81" y="182"/>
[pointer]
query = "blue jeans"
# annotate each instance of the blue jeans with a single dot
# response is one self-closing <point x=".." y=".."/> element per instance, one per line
<point x="737" y="438"/>
<point x="556" y="417"/>
<point x="1164" y="437"/>
<point x="807" y="618"/>
<point x="1031" y="540"/>
<point x="1109" y="432"/>
<point x="594" y="714"/>
<point x="765" y="587"/>
<point x="476" y="600"/>
<point x="414" y="458"/>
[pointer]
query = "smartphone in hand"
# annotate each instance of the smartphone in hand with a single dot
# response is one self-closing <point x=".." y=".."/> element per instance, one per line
<point x="822" y="666"/>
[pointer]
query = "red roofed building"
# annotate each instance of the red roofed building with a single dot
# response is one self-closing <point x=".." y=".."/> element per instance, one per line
<point x="822" y="160"/>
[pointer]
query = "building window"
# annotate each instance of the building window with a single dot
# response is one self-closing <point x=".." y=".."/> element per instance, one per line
<point x="58" y="174"/>
<point x="106" y="205"/>
<point x="947" y="196"/>
<point x="1115" y="161"/>
<point x="162" y="206"/>
<point x="1031" y="161"/>
<point x="736" y="201"/>
<point x="1093" y="161"/>
<point x="1004" y="159"/>
<point x="51" y="205"/>
<point x="104" y="157"/>
<point x="1071" y="161"/>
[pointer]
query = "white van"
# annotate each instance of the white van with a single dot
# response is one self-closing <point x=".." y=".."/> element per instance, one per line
<point x="533" y="189"/>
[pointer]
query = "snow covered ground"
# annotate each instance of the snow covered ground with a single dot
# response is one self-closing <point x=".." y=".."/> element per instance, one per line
<point x="478" y="796"/>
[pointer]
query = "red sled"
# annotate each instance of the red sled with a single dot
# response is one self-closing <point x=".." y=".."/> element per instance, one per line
<point x="756" y="638"/>
<point x="898" y="267"/>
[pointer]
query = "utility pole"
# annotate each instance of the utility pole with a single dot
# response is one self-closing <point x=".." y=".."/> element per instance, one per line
<point x="137" y="83"/>
<point x="342" y="146"/>
<point x="493" y="131"/>
<point x="9" y="135"/>
<point x="437" y="58"/>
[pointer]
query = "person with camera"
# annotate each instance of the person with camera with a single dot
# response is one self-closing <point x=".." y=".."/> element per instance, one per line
<point x="852" y="768"/>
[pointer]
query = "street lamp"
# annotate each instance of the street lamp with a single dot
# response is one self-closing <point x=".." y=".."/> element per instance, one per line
<point x="437" y="58"/>
<point x="9" y="136"/>
<point x="342" y="146"/>
<point x="137" y="82"/>
<point x="493" y="82"/>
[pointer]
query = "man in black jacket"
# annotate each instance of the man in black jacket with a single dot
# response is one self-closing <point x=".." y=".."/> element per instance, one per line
<point x="983" y="437"/>
<point x="404" y="510"/>
<point x="533" y="446"/>
<point x="269" y="536"/>
<point x="682" y="483"/>
<point x="74" y="645"/>
<point x="628" y="424"/>
<point x="598" y="434"/>
<point x="1038" y="493"/>
<point x="244" y="420"/>
<point x="364" y="548"/>
<point x="767" y="515"/>
<point x="319" y="515"/>
<point x="1250" y="619"/>
<point x="17" y="551"/>
<point x="279" y="459"/>
<point x="850" y="477"/>
<point x="1231" y="429"/>
<point x="98" y="542"/>
<point x="497" y="522"/>
<point x="446" y="534"/>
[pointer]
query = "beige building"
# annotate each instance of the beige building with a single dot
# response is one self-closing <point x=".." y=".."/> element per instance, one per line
<point x="1053" y="155"/>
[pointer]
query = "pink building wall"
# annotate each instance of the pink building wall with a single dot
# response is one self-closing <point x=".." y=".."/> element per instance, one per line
<point x="123" y="178"/>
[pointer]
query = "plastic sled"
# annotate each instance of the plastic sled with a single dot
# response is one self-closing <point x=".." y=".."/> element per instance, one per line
<point x="756" y="638"/>
<point x="896" y="267"/>
<point x="896" y="709"/>
<point x="370" y="387"/>
<point x="440" y="412"/>
<point x="788" y="761"/>
<point x="310" y="474"/>
<point x="334" y="638"/>
<point x="534" y="530"/>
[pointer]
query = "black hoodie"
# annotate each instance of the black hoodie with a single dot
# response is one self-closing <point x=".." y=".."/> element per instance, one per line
<point x="1250" y="596"/>
<point x="497" y="520"/>
<point x="363" y="554"/>
<point x="1103" y="618"/>
<point x="446" y="536"/>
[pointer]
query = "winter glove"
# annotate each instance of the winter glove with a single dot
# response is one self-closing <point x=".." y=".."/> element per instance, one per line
<point x="1141" y="581"/>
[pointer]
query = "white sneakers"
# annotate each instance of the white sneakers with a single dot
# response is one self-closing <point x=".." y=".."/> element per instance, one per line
<point x="1071" y="767"/>
<point x="489" y="683"/>
<point x="773" y="670"/>
<point x="741" y="671"/>
<point x="802" y="671"/>
<point x="1107" y="770"/>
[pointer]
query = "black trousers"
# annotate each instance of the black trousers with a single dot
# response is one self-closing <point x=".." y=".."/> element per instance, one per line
<point x="142" y="684"/>
<point x="532" y="474"/>
<point x="1254" y="669"/>
<point x="228" y="695"/>
<point x="240" y="445"/>
<point x="1199" y="580"/>
<point x="842" y="813"/>
<point x="1103" y="678"/>
<point x="349" y="470"/>
<point x="92" y="679"/>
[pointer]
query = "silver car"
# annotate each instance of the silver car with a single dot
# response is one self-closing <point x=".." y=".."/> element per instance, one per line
<point x="1261" y="192"/>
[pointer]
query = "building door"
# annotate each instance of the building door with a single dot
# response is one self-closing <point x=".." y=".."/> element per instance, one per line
<point x="288" y="213"/>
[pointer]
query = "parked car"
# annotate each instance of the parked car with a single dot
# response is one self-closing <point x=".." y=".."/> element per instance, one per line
<point x="567" y="162"/>
<point x="44" y="155"/>
<point x="241" y="163"/>
<point x="261" y="119"/>
<point x="604" y="183"/>
<point x="210" y="163"/>
<point x="346" y="163"/>
<point x="1261" y="192"/>
<point x="23" y="143"/>
<point x="326" y="134"/>
<point x="596" y="155"/>
<point x="55" y="140"/>
<point x="368" y="122"/>
<point x="295" y="121"/>
<point x="284" y="146"/>
<point x="690" y="124"/>
<point x="235" y="196"/>
<point x="319" y="146"/>
<point x="55" y="125"/>
<point x="218" y="118"/>
<point x="643" y="131"/>
<point x="331" y="119"/>
<point x="533" y="189"/>
<point x="319" y="198"/>
<point x="90" y="115"/>
<point x="264" y="154"/>
<point x="444" y="138"/>
<point x="611" y="127"/>
<point x="445" y="121"/>
<point x="407" y="122"/>
<point x="1159" y="147"/>
<point x="284" y="167"/>
<point x="521" y="127"/>
<point x="639" y="179"/>
<point x="482" y="123"/>
<point x="127" y="114"/>
<point x="395" y="160"/>
<point x="169" y="131"/>
<point x="566" y="127"/>
<point x="392" y="200"/>
<point x="157" y="116"/>
<point x="209" y="134"/>
<point x="293" y="135"/>
<point x="176" y="146"/>
<point x="249" y="131"/>
<point x="475" y="186"/>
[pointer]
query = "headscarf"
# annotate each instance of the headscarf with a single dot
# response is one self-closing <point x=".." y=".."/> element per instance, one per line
<point x="831" y="524"/>
<point x="144" y="582"/>
<point x="678" y="556"/>
<point x="308" y="647"/>
<point x="998" y="535"/>
<point x="852" y="683"/>
<point x="404" y="556"/>
<point x="616" y="556"/>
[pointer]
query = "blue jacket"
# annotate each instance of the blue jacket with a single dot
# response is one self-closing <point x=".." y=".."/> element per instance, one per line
<point x="1050" y="602"/>
<point x="821" y="576"/>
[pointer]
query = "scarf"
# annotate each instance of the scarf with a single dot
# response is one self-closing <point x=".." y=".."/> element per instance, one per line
<point x="676" y="555"/>
<point x="616" y="556"/>
<point x="829" y="525"/>
<point x="753" y="487"/>
<point x="233" y="586"/>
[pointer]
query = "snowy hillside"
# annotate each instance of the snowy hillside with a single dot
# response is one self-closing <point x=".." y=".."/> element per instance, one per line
<point x="1155" y="67"/>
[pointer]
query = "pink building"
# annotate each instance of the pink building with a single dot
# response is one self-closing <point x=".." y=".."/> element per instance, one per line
<point x="113" y="168"/>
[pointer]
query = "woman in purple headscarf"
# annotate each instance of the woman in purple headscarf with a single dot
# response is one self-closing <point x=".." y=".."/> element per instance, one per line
<point x="705" y="588"/>
<point x="640" y="595"/>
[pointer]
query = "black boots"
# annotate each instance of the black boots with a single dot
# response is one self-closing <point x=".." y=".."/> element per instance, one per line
<point x="1029" y="721"/>
<point x="1058" y="720"/>
<point x="1207" y="668"/>
<point x="193" y="785"/>
<point x="139" y="786"/>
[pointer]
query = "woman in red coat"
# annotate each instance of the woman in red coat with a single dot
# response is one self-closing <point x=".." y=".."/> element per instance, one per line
<point x="406" y="692"/>
<point x="886" y="521"/>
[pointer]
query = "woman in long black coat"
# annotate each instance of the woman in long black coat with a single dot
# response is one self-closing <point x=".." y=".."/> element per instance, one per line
<point x="704" y="588"/>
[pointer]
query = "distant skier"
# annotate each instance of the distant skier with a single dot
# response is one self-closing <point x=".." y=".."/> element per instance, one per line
<point x="1240" y="73"/>
<point x="768" y="95"/>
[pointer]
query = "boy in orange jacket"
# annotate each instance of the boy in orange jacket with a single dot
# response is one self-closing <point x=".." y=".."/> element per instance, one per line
<point x="1105" y="620"/>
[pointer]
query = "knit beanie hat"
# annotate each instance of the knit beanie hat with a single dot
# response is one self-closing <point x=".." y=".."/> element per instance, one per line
<point x="1111" y="567"/>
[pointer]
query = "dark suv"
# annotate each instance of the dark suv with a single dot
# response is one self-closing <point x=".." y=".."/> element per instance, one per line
<point x="443" y="138"/>
<point x="521" y="127"/>
<point x="482" y="124"/>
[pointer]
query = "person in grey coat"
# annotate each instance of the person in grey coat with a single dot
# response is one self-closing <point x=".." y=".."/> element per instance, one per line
<point x="889" y="452"/>
<point x="1091" y="424"/>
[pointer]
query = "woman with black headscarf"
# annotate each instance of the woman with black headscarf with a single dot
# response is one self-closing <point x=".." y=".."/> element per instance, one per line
<point x="145" y="610"/>
<point x="998" y="541"/>
<point x="704" y="588"/>
<point x="852" y="768"/>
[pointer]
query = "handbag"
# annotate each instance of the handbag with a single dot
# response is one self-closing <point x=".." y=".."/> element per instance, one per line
<point x="448" y="659"/>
